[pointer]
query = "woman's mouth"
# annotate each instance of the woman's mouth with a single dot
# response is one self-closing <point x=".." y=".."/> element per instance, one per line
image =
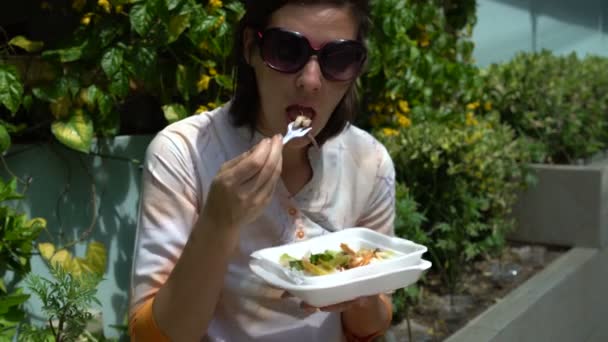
<point x="293" y="111"/>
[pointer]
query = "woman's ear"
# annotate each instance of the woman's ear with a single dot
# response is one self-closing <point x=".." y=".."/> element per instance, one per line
<point x="248" y="44"/>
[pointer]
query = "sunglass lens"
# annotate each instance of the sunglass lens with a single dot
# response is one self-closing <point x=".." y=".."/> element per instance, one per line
<point x="284" y="51"/>
<point x="343" y="61"/>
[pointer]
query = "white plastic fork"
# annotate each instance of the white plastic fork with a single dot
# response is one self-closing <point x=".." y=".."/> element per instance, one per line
<point x="294" y="133"/>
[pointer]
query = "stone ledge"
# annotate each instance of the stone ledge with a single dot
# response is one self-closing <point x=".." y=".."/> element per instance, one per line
<point x="565" y="302"/>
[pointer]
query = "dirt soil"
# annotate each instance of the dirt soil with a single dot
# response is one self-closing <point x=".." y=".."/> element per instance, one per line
<point x="485" y="282"/>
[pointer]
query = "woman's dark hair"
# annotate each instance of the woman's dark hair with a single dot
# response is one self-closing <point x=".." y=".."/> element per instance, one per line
<point x="246" y="96"/>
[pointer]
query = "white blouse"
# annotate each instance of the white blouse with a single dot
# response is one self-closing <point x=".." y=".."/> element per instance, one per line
<point x="353" y="185"/>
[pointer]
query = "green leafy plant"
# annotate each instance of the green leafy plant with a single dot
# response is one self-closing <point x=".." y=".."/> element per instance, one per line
<point x="17" y="236"/>
<point x="464" y="178"/>
<point x="66" y="300"/>
<point x="175" y="52"/>
<point x="560" y="102"/>
<point x="408" y="223"/>
<point x="68" y="297"/>
<point x="419" y="64"/>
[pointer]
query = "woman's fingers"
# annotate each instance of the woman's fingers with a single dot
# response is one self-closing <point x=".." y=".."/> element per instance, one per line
<point x="331" y="308"/>
<point x="249" y="166"/>
<point x="234" y="161"/>
<point x="274" y="163"/>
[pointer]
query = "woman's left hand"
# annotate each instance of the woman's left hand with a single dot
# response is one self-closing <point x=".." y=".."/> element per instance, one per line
<point x="358" y="303"/>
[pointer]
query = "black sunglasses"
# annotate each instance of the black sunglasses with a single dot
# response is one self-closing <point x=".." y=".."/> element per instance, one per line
<point x="288" y="52"/>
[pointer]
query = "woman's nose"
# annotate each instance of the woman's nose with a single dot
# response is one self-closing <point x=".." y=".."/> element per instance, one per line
<point x="310" y="77"/>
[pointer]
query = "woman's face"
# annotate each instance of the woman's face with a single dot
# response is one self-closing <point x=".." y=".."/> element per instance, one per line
<point x="283" y="96"/>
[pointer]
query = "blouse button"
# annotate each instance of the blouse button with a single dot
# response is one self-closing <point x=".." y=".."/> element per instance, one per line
<point x="300" y="233"/>
<point x="293" y="211"/>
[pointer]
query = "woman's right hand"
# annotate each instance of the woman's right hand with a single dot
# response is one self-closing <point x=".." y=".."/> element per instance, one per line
<point x="244" y="185"/>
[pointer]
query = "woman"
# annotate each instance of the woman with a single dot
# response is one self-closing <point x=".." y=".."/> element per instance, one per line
<point x="220" y="185"/>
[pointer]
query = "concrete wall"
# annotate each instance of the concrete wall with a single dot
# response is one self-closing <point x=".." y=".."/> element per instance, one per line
<point x="505" y="27"/>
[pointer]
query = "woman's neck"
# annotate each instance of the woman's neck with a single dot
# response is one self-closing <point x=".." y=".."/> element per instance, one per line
<point x="296" y="171"/>
<point x="294" y="159"/>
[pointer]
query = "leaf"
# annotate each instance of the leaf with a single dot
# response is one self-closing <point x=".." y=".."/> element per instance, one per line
<point x="174" y="112"/>
<point x="65" y="86"/>
<point x="120" y="84"/>
<point x="60" y="108"/>
<point x="172" y="4"/>
<point x="5" y="139"/>
<point x="13" y="299"/>
<point x="183" y="78"/>
<point x="67" y="55"/>
<point x="36" y="223"/>
<point x="112" y="61"/>
<point x="46" y="249"/>
<point x="141" y="18"/>
<point x="104" y="103"/>
<point x="236" y="7"/>
<point x="224" y="81"/>
<point x="11" y="89"/>
<point x="201" y="26"/>
<point x="96" y="257"/>
<point x="177" y="25"/>
<point x="26" y="44"/>
<point x="76" y="132"/>
<point x="61" y="258"/>
<point x="79" y="266"/>
<point x="27" y="102"/>
<point x="142" y="62"/>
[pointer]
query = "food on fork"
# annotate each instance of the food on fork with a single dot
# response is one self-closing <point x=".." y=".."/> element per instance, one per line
<point x="334" y="261"/>
<point x="302" y="121"/>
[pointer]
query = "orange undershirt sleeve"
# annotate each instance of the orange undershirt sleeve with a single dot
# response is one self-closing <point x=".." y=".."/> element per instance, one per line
<point x="143" y="327"/>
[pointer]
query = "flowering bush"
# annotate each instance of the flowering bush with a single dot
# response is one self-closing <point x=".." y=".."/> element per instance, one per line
<point x="464" y="178"/>
<point x="420" y="59"/>
<point x="558" y="101"/>
<point x="461" y="166"/>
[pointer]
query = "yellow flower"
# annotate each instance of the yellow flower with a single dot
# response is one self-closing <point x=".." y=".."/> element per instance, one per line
<point x="78" y="5"/>
<point x="404" y="106"/>
<point x="203" y="46"/>
<point x="219" y="22"/>
<point x="390" y="132"/>
<point x="473" y="138"/>
<point x="424" y="40"/>
<point x="105" y="4"/>
<point x="212" y="105"/>
<point x="473" y="106"/>
<point x="202" y="109"/>
<point x="215" y="4"/>
<point x="86" y="19"/>
<point x="203" y="83"/>
<point x="403" y="121"/>
<point x="470" y="120"/>
<point x="212" y="72"/>
<point x="118" y="8"/>
<point x="487" y="106"/>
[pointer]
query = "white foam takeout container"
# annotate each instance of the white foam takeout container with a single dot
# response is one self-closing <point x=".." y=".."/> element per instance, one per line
<point x="402" y="269"/>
